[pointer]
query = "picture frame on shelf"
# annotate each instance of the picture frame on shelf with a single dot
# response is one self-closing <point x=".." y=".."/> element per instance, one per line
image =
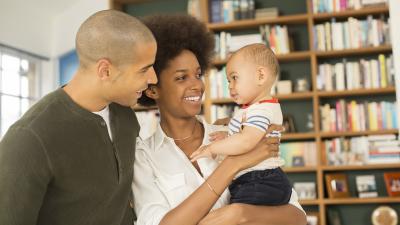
<point x="288" y="124"/>
<point x="337" y="185"/>
<point x="305" y="190"/>
<point x="312" y="218"/>
<point x="392" y="182"/>
<point x="366" y="186"/>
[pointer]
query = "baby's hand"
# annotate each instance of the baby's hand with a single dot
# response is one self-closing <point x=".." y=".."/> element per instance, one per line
<point x="218" y="135"/>
<point x="202" y="152"/>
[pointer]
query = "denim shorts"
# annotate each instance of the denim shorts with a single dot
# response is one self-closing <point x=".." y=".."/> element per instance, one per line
<point x="261" y="187"/>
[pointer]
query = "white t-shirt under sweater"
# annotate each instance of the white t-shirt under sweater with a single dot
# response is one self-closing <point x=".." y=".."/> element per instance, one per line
<point x="259" y="115"/>
<point x="105" y="113"/>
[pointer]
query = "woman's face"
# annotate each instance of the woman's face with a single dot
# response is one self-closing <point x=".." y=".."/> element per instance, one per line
<point x="181" y="87"/>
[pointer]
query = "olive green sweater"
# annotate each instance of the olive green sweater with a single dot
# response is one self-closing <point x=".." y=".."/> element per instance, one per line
<point x="58" y="165"/>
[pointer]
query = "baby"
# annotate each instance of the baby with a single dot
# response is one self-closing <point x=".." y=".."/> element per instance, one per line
<point x="251" y="72"/>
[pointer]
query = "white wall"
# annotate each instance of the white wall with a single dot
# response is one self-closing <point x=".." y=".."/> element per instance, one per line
<point x="25" y="28"/>
<point x="66" y="24"/>
<point x="394" y="7"/>
<point x="40" y="31"/>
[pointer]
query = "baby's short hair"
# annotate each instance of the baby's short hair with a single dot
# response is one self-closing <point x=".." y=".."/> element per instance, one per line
<point x="261" y="55"/>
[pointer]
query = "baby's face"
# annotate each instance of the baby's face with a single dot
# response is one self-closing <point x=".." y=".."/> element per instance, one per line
<point x="242" y="79"/>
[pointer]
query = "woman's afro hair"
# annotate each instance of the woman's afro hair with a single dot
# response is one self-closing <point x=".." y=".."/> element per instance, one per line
<point x="175" y="33"/>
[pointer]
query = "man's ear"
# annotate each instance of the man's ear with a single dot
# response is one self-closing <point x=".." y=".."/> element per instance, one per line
<point x="262" y="75"/>
<point x="152" y="92"/>
<point x="104" y="69"/>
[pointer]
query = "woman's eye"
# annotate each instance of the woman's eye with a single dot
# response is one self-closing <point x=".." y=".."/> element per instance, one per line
<point x="180" y="78"/>
<point x="199" y="75"/>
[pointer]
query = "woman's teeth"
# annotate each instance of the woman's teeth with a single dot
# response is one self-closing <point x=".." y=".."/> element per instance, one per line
<point x="193" y="99"/>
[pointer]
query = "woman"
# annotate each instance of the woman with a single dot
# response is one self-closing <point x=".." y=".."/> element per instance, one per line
<point x="167" y="187"/>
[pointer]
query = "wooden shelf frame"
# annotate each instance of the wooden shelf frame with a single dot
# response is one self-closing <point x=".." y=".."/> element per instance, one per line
<point x="356" y="133"/>
<point x="292" y="56"/>
<point x="354" y="52"/>
<point x="357" y="92"/>
<point x="292" y="96"/>
<point x="376" y="10"/>
<point x="253" y="23"/>
<point x="361" y="167"/>
<point x="139" y="108"/>
<point x="355" y="200"/>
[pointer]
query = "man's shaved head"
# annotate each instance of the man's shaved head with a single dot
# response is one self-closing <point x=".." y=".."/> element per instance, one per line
<point x="111" y="35"/>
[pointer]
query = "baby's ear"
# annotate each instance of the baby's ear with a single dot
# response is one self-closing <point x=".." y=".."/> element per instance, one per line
<point x="262" y="74"/>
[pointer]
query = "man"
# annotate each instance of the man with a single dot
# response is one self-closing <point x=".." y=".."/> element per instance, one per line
<point x="69" y="159"/>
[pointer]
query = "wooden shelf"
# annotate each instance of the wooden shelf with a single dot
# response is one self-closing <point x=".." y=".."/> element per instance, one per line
<point x="297" y="136"/>
<point x="383" y="9"/>
<point x="351" y="201"/>
<point x="138" y="108"/>
<point x="361" y="167"/>
<point x="357" y="92"/>
<point x="222" y="101"/>
<point x="357" y="133"/>
<point x="131" y="1"/>
<point x="309" y="202"/>
<point x="293" y="56"/>
<point x="293" y="96"/>
<point x="302" y="169"/>
<point x="350" y="52"/>
<point x="251" y="23"/>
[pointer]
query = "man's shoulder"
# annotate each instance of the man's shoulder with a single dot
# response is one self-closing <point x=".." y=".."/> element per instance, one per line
<point x="43" y="110"/>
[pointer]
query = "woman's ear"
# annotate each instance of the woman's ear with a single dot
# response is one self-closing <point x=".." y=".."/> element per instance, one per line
<point x="152" y="92"/>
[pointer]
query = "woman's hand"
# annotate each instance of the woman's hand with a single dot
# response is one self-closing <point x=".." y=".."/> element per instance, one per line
<point x="268" y="147"/>
<point x="227" y="215"/>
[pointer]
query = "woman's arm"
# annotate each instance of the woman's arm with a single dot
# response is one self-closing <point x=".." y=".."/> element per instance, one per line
<point x="151" y="206"/>
<point x="274" y="215"/>
<point x="244" y="214"/>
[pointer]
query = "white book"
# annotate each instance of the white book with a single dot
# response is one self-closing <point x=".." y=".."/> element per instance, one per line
<point x="347" y="32"/>
<point x="375" y="33"/>
<point x="339" y="71"/>
<point x="375" y="73"/>
<point x="329" y="77"/>
<point x="222" y="45"/>
<point x="349" y="76"/>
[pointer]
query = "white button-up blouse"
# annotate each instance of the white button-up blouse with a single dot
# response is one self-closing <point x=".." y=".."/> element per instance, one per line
<point x="164" y="176"/>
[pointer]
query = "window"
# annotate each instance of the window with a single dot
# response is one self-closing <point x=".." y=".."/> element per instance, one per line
<point x="19" y="85"/>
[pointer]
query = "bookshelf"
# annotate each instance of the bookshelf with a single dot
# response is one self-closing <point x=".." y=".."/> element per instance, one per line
<point x="309" y="57"/>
